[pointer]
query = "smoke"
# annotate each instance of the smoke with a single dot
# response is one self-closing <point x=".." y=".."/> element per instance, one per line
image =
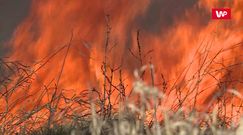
<point x="9" y="19"/>
<point x="162" y="14"/>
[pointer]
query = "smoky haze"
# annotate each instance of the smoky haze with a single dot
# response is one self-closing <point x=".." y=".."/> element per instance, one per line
<point x="161" y="13"/>
<point x="12" y="12"/>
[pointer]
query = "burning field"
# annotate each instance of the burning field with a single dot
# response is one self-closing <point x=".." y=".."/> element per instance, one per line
<point x="95" y="66"/>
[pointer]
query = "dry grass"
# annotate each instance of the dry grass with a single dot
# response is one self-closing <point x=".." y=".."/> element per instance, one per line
<point x="132" y="121"/>
<point x="133" y="117"/>
<point x="137" y="113"/>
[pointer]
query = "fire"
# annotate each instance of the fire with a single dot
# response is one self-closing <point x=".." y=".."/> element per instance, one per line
<point x="64" y="43"/>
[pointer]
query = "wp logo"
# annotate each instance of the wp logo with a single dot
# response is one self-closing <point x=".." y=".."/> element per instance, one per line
<point x="221" y="13"/>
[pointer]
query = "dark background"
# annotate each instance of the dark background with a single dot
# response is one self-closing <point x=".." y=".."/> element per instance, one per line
<point x="12" y="12"/>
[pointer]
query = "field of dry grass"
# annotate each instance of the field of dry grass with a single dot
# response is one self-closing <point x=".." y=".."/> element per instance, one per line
<point x="132" y="120"/>
<point x="94" y="113"/>
<point x="136" y="118"/>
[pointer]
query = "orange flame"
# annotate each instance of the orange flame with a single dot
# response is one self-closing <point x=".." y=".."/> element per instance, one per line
<point x="196" y="61"/>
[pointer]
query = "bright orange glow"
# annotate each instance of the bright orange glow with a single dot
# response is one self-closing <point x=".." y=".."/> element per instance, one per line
<point x="195" y="58"/>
